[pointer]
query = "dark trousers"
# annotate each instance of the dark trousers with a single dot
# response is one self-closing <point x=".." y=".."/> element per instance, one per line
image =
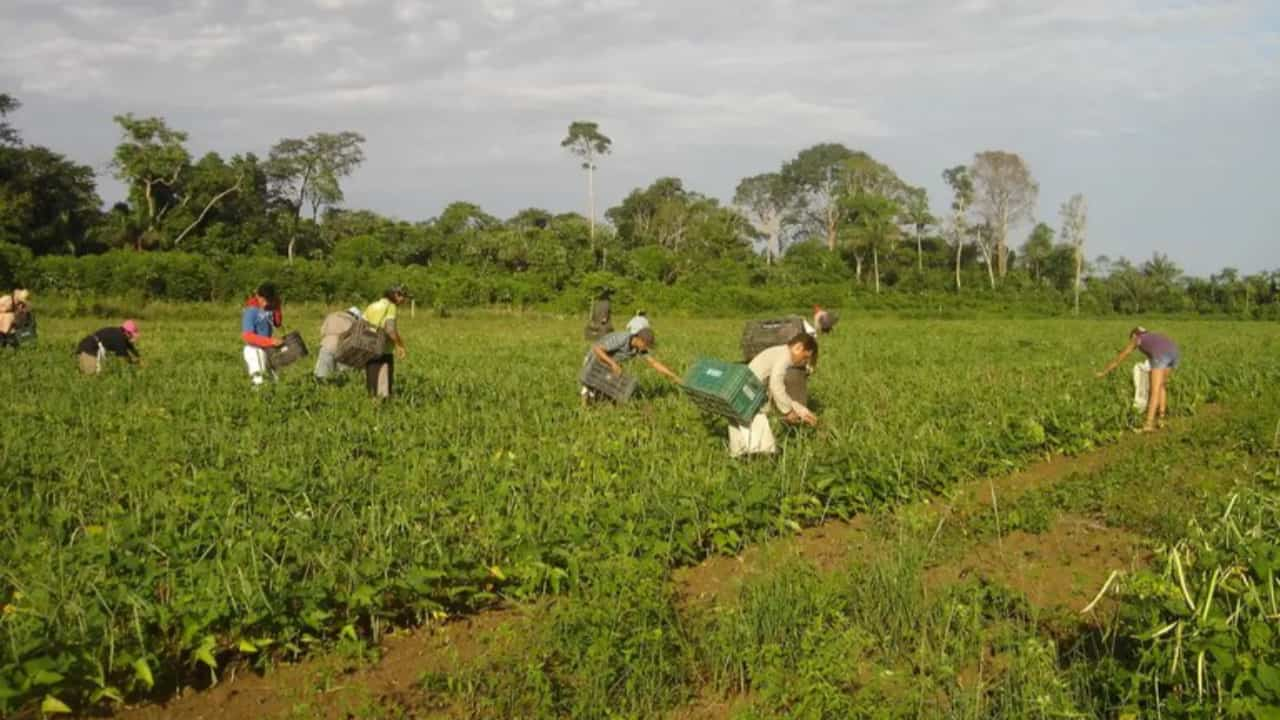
<point x="379" y="375"/>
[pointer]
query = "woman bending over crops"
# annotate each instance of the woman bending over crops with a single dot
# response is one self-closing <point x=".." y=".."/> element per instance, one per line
<point x="260" y="317"/>
<point x="118" y="341"/>
<point x="1164" y="355"/>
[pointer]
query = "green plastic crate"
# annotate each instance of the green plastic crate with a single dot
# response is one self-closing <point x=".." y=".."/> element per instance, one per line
<point x="730" y="390"/>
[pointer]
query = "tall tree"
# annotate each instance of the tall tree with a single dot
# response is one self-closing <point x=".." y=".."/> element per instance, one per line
<point x="8" y="133"/>
<point x="916" y="213"/>
<point x="764" y="200"/>
<point x="873" y="225"/>
<point x="1037" y="249"/>
<point x="961" y="184"/>
<point x="47" y="202"/>
<point x="984" y="238"/>
<point x="1005" y="195"/>
<point x="1075" y="225"/>
<point x="864" y="182"/>
<point x="814" y="180"/>
<point x="150" y="160"/>
<point x="308" y="171"/>
<point x="585" y="140"/>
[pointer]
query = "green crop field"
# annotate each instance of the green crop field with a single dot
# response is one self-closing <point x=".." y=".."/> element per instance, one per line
<point x="164" y="522"/>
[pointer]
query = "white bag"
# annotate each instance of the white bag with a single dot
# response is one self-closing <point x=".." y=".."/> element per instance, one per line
<point x="751" y="440"/>
<point x="1141" y="384"/>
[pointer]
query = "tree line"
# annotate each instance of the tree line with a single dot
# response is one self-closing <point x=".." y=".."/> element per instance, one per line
<point x="831" y="217"/>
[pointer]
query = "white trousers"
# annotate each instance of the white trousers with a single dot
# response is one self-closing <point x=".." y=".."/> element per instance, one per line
<point x="255" y="360"/>
<point x="1141" y="384"/>
<point x="756" y="438"/>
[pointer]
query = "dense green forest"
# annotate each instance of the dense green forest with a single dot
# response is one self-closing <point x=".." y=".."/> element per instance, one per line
<point x="831" y="225"/>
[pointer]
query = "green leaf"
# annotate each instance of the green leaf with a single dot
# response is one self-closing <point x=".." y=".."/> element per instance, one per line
<point x="44" y="678"/>
<point x="204" y="653"/>
<point x="142" y="673"/>
<point x="247" y="647"/>
<point x="108" y="693"/>
<point x="1260" y="634"/>
<point x="1269" y="678"/>
<point x="53" y="706"/>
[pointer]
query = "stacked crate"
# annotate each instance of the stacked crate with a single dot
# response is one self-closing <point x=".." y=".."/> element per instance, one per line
<point x="730" y="390"/>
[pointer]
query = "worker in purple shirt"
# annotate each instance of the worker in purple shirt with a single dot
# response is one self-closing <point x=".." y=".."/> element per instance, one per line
<point x="1164" y="355"/>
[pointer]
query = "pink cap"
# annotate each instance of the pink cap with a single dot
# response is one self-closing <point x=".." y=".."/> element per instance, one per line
<point x="130" y="327"/>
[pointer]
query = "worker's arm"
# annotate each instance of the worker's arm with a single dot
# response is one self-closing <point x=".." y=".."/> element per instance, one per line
<point x="605" y="358"/>
<point x="262" y="341"/>
<point x="792" y="411"/>
<point x="1133" y="344"/>
<point x="657" y="365"/>
<point x="393" y="334"/>
<point x="801" y="414"/>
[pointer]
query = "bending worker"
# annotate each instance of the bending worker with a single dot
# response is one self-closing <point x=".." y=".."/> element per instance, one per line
<point x="1164" y="356"/>
<point x="771" y="367"/>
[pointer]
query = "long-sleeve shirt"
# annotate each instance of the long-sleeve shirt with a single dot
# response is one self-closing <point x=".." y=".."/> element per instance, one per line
<point x="770" y="367"/>
<point x="112" y="339"/>
<point x="257" y="323"/>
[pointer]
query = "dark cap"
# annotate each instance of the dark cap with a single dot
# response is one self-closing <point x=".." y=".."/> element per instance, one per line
<point x="398" y="289"/>
<point x="646" y="334"/>
<point x="268" y="291"/>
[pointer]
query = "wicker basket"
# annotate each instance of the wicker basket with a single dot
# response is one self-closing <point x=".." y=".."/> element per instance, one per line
<point x="598" y="377"/>
<point x="760" y="335"/>
<point x="293" y="350"/>
<point x="361" y="343"/>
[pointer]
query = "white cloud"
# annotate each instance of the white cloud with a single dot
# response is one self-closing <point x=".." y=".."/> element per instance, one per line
<point x="736" y="84"/>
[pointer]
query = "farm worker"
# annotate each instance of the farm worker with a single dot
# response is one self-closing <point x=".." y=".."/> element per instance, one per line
<point x="600" y="322"/>
<point x="616" y="348"/>
<point x="379" y="374"/>
<point x="118" y="341"/>
<point x="331" y="330"/>
<point x="638" y="322"/>
<point x="822" y="320"/>
<point x="771" y="367"/>
<point x="13" y="306"/>
<point x="1163" y="355"/>
<point x="259" y="319"/>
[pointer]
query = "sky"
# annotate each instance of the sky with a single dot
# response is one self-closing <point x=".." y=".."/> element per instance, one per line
<point x="1164" y="114"/>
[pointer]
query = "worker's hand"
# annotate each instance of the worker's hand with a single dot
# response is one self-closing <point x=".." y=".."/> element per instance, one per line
<point x="616" y="369"/>
<point x="806" y="416"/>
<point x="277" y="343"/>
<point x="401" y="352"/>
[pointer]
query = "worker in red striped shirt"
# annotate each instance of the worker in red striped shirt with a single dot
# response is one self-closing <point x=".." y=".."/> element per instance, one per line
<point x="259" y="319"/>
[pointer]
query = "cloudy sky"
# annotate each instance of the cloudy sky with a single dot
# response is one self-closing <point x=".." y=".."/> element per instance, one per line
<point x="1164" y="113"/>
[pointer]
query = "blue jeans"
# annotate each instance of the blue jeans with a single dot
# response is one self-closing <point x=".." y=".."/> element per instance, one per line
<point x="1165" y="362"/>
